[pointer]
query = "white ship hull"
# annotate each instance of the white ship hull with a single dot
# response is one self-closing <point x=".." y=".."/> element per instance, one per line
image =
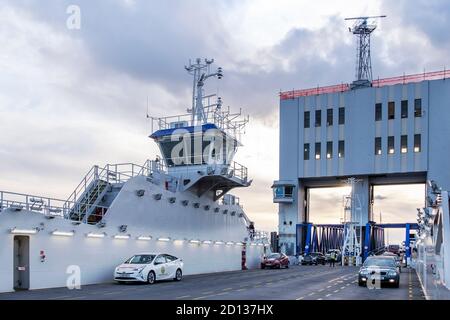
<point x="143" y="216"/>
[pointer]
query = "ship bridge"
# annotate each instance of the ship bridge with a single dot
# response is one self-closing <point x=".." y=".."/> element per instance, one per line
<point x="198" y="147"/>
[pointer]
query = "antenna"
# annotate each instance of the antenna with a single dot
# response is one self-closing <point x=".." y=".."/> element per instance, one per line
<point x="362" y="28"/>
<point x="200" y="71"/>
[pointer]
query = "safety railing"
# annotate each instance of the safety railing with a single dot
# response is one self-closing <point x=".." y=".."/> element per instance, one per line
<point x="192" y="163"/>
<point x="50" y="207"/>
<point x="405" y="79"/>
<point x="114" y="173"/>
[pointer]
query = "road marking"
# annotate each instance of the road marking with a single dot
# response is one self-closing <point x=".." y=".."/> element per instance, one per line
<point x="198" y="298"/>
<point x="241" y="289"/>
<point x="76" y="298"/>
<point x="336" y="291"/>
<point x="328" y="286"/>
<point x="112" y="292"/>
<point x="226" y="289"/>
<point x="321" y="290"/>
<point x="311" y="294"/>
<point x="328" y="295"/>
<point x="207" y="292"/>
<point x="183" y="297"/>
<point x="320" y="299"/>
<point x="59" y="297"/>
<point x="342" y="288"/>
<point x="301" y="298"/>
<point x="220" y="294"/>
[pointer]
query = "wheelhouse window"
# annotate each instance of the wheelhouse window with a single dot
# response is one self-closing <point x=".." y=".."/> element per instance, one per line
<point x="341" y="115"/>
<point x="417" y="108"/>
<point x="306" y="151"/>
<point x="306" y="119"/>
<point x="329" y="149"/>
<point x="318" y="121"/>
<point x="404" y="144"/>
<point x="391" y="147"/>
<point x="317" y="150"/>
<point x="378" y="112"/>
<point x="341" y="149"/>
<point x="378" y="146"/>
<point x="417" y="143"/>
<point x="404" y="109"/>
<point x="329" y="117"/>
<point x="391" y="110"/>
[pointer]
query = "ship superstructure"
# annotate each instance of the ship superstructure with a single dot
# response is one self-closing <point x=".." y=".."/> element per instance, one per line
<point x="178" y="203"/>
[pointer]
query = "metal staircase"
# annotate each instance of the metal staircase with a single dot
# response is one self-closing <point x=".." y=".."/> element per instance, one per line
<point x="85" y="209"/>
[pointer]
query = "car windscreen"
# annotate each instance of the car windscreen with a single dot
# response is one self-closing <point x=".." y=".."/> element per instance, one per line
<point x="377" y="262"/>
<point x="141" y="259"/>
<point x="273" y="256"/>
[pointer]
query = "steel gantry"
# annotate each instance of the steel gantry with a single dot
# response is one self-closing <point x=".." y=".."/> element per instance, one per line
<point x="319" y="237"/>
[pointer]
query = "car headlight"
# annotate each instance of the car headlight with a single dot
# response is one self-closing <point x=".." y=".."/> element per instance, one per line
<point x="139" y="269"/>
<point x="392" y="273"/>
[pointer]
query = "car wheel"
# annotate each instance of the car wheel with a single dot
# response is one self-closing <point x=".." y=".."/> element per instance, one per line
<point x="263" y="266"/>
<point x="397" y="284"/>
<point x="287" y="266"/>
<point x="360" y="283"/>
<point x="178" y="275"/>
<point x="151" y="277"/>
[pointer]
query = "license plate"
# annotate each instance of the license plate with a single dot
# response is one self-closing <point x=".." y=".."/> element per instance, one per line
<point x="125" y="275"/>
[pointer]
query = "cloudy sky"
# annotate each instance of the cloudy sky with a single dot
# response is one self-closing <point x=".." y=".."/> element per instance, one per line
<point x="73" y="98"/>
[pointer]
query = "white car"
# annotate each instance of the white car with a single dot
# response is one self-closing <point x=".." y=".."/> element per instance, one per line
<point x="149" y="267"/>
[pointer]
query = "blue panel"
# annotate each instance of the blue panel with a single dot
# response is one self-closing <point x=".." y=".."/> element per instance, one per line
<point x="190" y="129"/>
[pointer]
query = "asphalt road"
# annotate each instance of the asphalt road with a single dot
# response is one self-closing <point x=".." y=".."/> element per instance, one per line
<point x="295" y="283"/>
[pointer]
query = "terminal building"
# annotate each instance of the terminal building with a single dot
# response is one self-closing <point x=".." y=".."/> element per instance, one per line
<point x="393" y="131"/>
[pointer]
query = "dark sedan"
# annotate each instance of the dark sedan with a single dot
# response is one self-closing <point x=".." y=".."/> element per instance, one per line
<point x="275" y="260"/>
<point x="379" y="268"/>
<point x="314" y="258"/>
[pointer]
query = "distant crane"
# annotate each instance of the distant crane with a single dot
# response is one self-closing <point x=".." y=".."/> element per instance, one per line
<point x="362" y="29"/>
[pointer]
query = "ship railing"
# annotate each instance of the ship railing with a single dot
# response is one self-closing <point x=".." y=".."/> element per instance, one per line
<point x="49" y="207"/>
<point x="191" y="163"/>
<point x="115" y="173"/>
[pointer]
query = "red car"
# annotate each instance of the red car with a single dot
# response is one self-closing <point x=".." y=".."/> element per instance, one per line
<point x="275" y="260"/>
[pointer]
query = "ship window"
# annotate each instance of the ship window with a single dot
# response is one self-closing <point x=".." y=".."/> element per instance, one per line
<point x="391" y="146"/>
<point x="404" y="109"/>
<point x="417" y="143"/>
<point x="317" y="150"/>
<point x="318" y="120"/>
<point x="417" y="108"/>
<point x="378" y="112"/>
<point x="391" y="110"/>
<point x="378" y="145"/>
<point x="341" y="149"/>
<point x="306" y="119"/>
<point x="404" y="144"/>
<point x="341" y="115"/>
<point x="306" y="151"/>
<point x="329" y="117"/>
<point x="329" y="149"/>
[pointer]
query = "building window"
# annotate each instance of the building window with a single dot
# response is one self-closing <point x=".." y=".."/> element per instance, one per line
<point x="329" y="149"/>
<point x="378" y="112"/>
<point x="329" y="117"/>
<point x="404" y="144"/>
<point x="341" y="115"/>
<point x="317" y="151"/>
<point x="378" y="145"/>
<point x="417" y="143"/>
<point x="341" y="149"/>
<point x="391" y="146"/>
<point x="318" y="118"/>
<point x="417" y="108"/>
<point x="306" y="118"/>
<point x="306" y="151"/>
<point x="404" y="109"/>
<point x="391" y="110"/>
